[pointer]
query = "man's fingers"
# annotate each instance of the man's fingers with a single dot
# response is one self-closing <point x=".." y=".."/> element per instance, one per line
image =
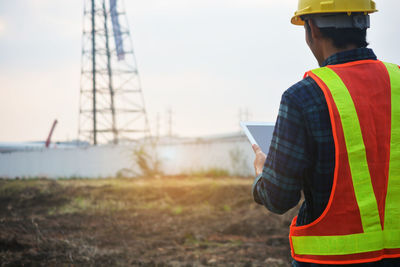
<point x="256" y="148"/>
<point x="259" y="161"/>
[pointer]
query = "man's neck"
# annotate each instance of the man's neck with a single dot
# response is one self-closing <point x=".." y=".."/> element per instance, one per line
<point x="329" y="49"/>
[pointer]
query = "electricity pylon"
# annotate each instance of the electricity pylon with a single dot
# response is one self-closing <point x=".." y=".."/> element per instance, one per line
<point x="112" y="106"/>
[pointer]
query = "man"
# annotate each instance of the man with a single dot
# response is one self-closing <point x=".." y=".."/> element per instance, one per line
<point x="337" y="139"/>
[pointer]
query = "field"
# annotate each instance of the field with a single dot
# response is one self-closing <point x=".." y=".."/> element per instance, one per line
<point x="165" y="221"/>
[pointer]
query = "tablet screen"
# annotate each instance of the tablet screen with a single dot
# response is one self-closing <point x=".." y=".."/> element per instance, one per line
<point x="259" y="133"/>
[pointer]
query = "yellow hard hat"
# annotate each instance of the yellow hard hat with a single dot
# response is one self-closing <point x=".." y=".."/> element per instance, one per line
<point x="307" y="7"/>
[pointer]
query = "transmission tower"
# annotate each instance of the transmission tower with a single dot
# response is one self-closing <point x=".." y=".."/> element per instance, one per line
<point x="112" y="106"/>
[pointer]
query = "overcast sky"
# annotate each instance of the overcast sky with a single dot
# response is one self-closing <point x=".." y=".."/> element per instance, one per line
<point x="205" y="59"/>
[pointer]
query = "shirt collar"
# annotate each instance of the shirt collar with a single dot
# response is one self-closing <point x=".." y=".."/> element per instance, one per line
<point x="350" y="55"/>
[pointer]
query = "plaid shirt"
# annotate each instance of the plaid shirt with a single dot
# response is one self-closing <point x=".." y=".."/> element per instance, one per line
<point x="302" y="151"/>
<point x="302" y="154"/>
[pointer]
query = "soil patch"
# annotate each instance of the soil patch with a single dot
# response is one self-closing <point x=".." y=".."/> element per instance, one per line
<point x="167" y="221"/>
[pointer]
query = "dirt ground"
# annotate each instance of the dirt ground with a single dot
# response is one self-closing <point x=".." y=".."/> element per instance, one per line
<point x="165" y="221"/>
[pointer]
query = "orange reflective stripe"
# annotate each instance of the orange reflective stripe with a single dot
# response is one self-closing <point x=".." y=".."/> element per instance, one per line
<point x="373" y="239"/>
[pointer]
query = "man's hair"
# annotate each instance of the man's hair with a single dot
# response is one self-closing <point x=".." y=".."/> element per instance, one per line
<point x="343" y="37"/>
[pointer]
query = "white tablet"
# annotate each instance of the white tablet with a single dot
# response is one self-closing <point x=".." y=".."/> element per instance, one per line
<point x="259" y="133"/>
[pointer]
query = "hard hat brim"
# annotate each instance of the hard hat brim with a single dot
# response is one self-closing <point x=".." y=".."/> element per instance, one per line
<point x="296" y="19"/>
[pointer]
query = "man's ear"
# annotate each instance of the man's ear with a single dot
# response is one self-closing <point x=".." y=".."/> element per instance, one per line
<point x="315" y="32"/>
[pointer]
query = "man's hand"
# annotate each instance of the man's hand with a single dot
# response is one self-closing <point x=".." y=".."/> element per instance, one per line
<point x="260" y="159"/>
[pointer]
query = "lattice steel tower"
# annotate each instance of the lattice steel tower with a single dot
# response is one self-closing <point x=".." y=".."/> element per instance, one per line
<point x="112" y="106"/>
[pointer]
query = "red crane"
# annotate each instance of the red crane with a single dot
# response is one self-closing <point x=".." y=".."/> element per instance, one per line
<point x="51" y="133"/>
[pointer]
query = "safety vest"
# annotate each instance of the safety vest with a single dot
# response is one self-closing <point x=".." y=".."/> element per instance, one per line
<point x="361" y="222"/>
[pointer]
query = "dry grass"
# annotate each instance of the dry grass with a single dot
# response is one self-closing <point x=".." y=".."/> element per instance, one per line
<point x="175" y="221"/>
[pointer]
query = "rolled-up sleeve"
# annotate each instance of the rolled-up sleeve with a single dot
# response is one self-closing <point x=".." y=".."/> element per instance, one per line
<point x="279" y="186"/>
